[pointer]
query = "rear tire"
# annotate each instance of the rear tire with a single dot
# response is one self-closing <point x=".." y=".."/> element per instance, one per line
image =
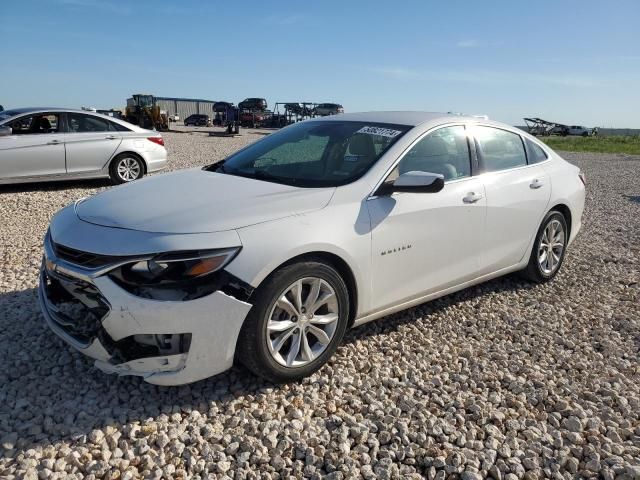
<point x="126" y="168"/>
<point x="548" y="249"/>
<point x="285" y="337"/>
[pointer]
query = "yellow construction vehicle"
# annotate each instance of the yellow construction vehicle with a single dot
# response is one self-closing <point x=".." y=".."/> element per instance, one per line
<point x="143" y="111"/>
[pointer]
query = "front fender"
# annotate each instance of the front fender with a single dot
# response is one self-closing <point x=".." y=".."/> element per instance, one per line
<point x="268" y="245"/>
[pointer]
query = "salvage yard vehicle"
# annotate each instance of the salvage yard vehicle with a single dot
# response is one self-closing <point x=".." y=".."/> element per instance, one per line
<point x="44" y="144"/>
<point x="324" y="109"/>
<point x="197" y="120"/>
<point x="578" y="130"/>
<point x="538" y="126"/>
<point x="269" y="256"/>
<point x="253" y="104"/>
<point x="253" y="119"/>
<point x="222" y="107"/>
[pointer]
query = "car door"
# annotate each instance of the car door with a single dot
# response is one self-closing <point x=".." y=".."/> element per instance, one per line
<point x="90" y="142"/>
<point x="517" y="194"/>
<point x="426" y="242"/>
<point x="34" y="149"/>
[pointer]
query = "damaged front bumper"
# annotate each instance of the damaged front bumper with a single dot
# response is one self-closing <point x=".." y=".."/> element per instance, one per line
<point x="165" y="342"/>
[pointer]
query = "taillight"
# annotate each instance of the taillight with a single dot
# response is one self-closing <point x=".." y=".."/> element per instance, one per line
<point x="157" y="140"/>
<point x="583" y="178"/>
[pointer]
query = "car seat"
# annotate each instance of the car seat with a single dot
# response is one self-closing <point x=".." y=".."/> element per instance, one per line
<point x="360" y="153"/>
<point x="41" y="125"/>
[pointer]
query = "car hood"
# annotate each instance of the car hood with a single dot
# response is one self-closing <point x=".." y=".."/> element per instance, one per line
<point x="198" y="201"/>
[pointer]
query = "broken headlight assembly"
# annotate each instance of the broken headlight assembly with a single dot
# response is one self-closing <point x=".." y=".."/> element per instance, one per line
<point x="177" y="275"/>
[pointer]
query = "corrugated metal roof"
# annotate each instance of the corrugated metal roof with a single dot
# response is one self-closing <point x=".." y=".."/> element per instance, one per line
<point x="186" y="99"/>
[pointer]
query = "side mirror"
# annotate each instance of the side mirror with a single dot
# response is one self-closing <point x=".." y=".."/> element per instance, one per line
<point x="414" y="182"/>
<point x="5" y="131"/>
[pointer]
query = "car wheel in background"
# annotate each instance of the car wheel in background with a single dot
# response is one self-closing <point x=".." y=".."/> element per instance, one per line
<point x="126" y="168"/>
<point x="548" y="249"/>
<point x="299" y="316"/>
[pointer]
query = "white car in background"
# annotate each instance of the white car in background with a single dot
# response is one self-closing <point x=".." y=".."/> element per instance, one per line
<point x="270" y="256"/>
<point x="578" y="130"/>
<point x="44" y="144"/>
<point x="324" y="109"/>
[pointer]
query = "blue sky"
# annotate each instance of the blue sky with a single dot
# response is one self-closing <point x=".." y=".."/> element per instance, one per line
<point x="569" y="61"/>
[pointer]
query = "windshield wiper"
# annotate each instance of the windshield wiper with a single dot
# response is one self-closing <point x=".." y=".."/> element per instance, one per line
<point x="270" y="177"/>
<point x="217" y="167"/>
<point x="257" y="174"/>
<point x="263" y="175"/>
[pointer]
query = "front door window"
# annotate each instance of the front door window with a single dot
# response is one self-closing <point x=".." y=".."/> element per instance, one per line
<point x="34" y="124"/>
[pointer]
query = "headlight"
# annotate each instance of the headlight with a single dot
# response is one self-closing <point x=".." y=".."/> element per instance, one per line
<point x="174" y="269"/>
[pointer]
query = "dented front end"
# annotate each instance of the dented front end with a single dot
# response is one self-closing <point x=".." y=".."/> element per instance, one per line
<point x="169" y="336"/>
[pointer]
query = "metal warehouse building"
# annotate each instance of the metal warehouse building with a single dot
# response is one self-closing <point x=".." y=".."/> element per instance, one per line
<point x="184" y="106"/>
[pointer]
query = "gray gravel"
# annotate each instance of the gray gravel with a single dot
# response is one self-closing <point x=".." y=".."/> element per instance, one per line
<point x="505" y="380"/>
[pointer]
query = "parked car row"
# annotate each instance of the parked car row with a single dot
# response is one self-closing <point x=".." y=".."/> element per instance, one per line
<point x="253" y="112"/>
<point x="40" y="144"/>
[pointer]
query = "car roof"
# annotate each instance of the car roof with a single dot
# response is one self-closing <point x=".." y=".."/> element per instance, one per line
<point x="13" y="112"/>
<point x="22" y="110"/>
<point x="398" y="118"/>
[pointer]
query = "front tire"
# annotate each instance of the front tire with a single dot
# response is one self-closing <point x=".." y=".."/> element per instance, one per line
<point x="549" y="249"/>
<point x="126" y="168"/>
<point x="298" y="319"/>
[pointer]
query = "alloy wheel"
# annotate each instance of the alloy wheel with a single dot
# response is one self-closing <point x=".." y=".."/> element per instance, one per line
<point x="128" y="169"/>
<point x="551" y="247"/>
<point x="302" y="322"/>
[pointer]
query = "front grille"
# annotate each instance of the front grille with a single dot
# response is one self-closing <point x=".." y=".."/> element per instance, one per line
<point x="84" y="259"/>
<point x="76" y="306"/>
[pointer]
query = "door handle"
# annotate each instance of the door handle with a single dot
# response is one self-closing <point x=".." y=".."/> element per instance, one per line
<point x="536" y="183"/>
<point x="53" y="142"/>
<point x="110" y="137"/>
<point x="472" y="197"/>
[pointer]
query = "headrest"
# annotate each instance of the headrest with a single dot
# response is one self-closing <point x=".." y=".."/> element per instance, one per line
<point x="361" y="144"/>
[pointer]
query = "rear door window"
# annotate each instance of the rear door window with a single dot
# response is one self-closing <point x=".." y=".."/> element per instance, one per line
<point x="80" y="123"/>
<point x="499" y="149"/>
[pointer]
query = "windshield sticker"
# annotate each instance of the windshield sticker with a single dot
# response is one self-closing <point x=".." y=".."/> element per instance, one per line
<point x="383" y="132"/>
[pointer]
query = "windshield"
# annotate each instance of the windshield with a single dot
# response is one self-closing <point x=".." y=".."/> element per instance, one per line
<point x="8" y="114"/>
<point x="314" y="154"/>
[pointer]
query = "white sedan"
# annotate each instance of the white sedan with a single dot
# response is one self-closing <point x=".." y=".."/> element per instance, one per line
<point x="45" y="144"/>
<point x="270" y="256"/>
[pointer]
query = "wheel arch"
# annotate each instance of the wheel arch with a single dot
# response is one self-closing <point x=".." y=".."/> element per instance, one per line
<point x="145" y="167"/>
<point x="341" y="266"/>
<point x="566" y="212"/>
<point x="558" y="206"/>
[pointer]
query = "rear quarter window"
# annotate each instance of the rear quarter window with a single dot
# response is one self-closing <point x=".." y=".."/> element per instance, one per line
<point x="116" y="127"/>
<point x="535" y="154"/>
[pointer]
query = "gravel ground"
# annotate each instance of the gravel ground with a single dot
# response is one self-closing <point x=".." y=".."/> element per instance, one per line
<point x="504" y="380"/>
